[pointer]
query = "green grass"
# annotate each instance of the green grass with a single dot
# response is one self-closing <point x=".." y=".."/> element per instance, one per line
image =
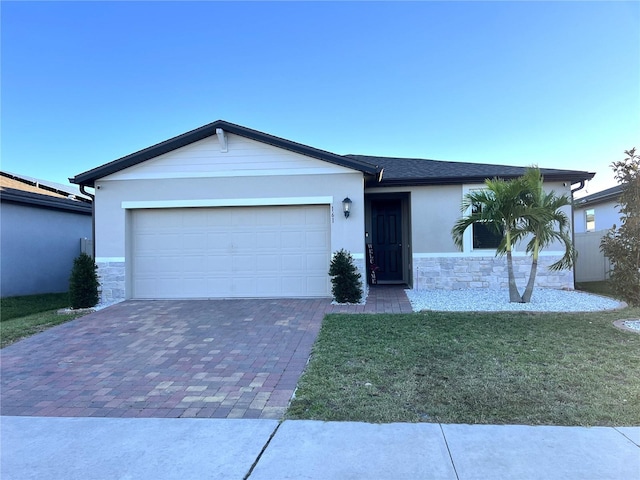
<point x="15" y="307"/>
<point x="18" y="328"/>
<point x="21" y="317"/>
<point x="501" y="368"/>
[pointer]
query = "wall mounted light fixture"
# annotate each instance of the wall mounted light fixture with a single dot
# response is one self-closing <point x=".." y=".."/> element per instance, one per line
<point x="346" y="206"/>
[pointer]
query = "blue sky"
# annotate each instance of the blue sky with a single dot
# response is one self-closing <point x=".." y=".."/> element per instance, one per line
<point x="550" y="83"/>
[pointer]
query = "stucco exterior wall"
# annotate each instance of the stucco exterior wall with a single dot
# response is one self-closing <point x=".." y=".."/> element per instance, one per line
<point x="438" y="263"/>
<point x="606" y="215"/>
<point x="201" y="175"/>
<point x="38" y="247"/>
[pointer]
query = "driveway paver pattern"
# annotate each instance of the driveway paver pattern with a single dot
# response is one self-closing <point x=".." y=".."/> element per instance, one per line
<point x="189" y="358"/>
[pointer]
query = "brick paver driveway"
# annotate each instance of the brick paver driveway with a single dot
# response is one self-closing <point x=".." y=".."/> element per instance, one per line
<point x="192" y="358"/>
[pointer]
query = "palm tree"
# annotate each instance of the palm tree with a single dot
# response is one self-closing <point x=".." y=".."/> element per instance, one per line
<point x="540" y="226"/>
<point x="500" y="207"/>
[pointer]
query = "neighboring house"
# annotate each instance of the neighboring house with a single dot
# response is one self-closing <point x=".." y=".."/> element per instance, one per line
<point x="41" y="227"/>
<point x="593" y="216"/>
<point x="598" y="211"/>
<point x="226" y="211"/>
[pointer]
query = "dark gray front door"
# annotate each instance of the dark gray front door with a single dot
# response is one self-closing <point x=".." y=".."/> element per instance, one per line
<point x="387" y="239"/>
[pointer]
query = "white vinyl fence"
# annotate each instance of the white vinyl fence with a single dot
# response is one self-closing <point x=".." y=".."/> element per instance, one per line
<point x="591" y="264"/>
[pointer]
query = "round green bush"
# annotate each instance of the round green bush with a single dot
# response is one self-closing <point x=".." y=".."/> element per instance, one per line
<point x="345" y="279"/>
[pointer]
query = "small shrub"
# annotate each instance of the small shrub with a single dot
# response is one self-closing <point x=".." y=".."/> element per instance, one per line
<point x="83" y="284"/>
<point x="345" y="279"/>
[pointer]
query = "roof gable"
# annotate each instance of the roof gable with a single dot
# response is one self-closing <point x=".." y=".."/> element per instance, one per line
<point x="88" y="178"/>
<point x="241" y="157"/>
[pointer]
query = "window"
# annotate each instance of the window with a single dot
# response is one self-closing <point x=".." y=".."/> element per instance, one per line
<point x="484" y="236"/>
<point x="590" y="219"/>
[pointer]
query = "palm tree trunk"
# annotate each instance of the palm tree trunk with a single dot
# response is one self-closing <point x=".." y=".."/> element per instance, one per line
<point x="528" y="291"/>
<point x="514" y="295"/>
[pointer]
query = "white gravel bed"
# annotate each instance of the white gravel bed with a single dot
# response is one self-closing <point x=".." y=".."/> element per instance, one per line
<point x="633" y="324"/>
<point x="486" y="300"/>
<point x="99" y="306"/>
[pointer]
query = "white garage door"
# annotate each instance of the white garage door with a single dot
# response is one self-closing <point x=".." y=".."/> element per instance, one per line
<point x="281" y="251"/>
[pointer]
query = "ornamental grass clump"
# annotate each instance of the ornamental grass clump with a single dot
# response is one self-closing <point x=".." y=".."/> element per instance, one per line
<point x="345" y="279"/>
<point x="83" y="284"/>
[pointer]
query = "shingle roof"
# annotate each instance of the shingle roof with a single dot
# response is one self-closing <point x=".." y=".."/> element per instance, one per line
<point x="397" y="171"/>
<point x="418" y="171"/>
<point x="612" y="193"/>
<point x="89" y="177"/>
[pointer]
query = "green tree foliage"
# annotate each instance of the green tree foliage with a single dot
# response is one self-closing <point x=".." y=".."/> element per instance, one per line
<point x="83" y="284"/>
<point x="500" y="207"/>
<point x="548" y="224"/>
<point x="519" y="209"/>
<point x="345" y="279"/>
<point x="622" y="244"/>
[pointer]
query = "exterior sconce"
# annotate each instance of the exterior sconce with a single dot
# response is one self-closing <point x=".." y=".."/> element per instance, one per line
<point x="346" y="206"/>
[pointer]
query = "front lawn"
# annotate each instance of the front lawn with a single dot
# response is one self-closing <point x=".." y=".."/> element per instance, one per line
<point x="24" y="316"/>
<point x="497" y="368"/>
<point x="16" y="307"/>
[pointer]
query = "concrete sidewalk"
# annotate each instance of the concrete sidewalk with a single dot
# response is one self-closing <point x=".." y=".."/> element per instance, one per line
<point x="154" y="448"/>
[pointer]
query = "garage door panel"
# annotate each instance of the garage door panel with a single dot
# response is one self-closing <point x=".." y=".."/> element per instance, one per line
<point x="315" y="241"/>
<point x="318" y="283"/>
<point x="218" y="265"/>
<point x="217" y="240"/>
<point x="144" y="264"/>
<point x="194" y="241"/>
<point x="266" y="239"/>
<point x="317" y="262"/>
<point x="243" y="218"/>
<point x="294" y="240"/>
<point x="267" y="263"/>
<point x="216" y="217"/>
<point x="231" y="252"/>
<point x="242" y="241"/>
<point x="244" y="263"/>
<point x="195" y="286"/>
<point x="293" y="263"/>
<point x="193" y="264"/>
<point x="316" y="217"/>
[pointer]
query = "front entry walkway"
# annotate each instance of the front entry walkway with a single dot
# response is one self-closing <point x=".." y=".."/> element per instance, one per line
<point x="192" y="358"/>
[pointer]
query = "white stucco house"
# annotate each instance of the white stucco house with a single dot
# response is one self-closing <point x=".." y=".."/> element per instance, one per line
<point x="598" y="211"/>
<point x="593" y="216"/>
<point x="225" y="211"/>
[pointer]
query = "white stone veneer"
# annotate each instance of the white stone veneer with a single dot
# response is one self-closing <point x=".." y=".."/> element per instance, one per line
<point x="455" y="273"/>
<point x="111" y="276"/>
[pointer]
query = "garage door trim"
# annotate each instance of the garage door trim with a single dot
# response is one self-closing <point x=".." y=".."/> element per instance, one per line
<point x="228" y="202"/>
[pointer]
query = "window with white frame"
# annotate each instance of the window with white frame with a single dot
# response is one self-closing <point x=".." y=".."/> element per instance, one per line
<point x="590" y="219"/>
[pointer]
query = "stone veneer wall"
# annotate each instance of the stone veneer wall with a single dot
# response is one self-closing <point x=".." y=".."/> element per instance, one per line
<point x="455" y="273"/>
<point x="111" y="276"/>
<point x="362" y="270"/>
